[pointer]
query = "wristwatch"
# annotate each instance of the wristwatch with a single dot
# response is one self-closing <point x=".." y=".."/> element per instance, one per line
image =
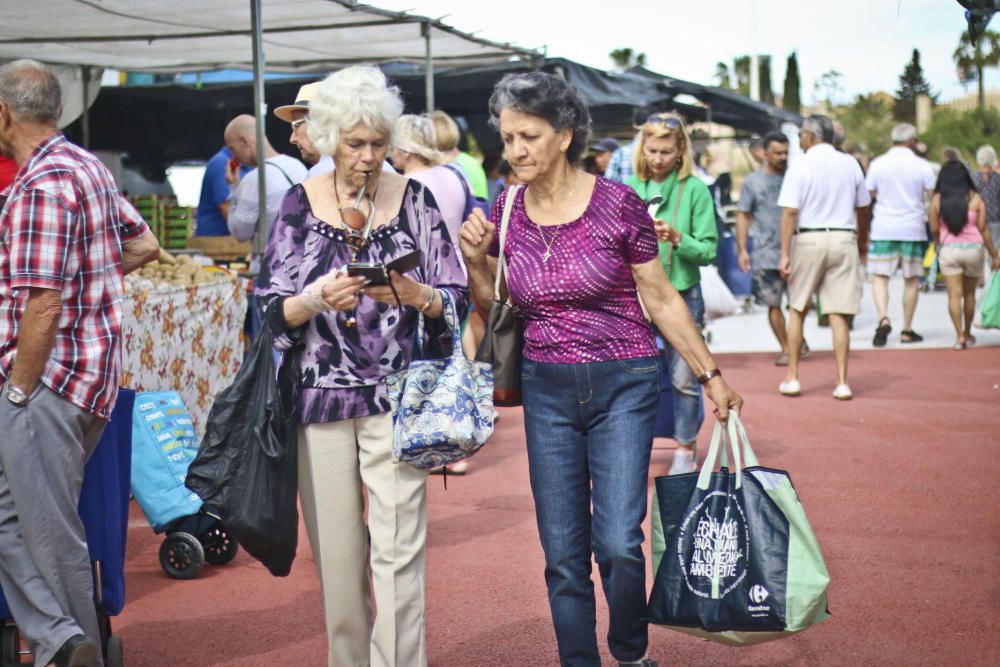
<point x="703" y="379"/>
<point x="15" y="395"/>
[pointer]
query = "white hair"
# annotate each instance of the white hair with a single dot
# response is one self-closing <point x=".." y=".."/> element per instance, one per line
<point x="985" y="155"/>
<point x="903" y="133"/>
<point x="415" y="134"/>
<point x="353" y="96"/>
<point x="31" y="91"/>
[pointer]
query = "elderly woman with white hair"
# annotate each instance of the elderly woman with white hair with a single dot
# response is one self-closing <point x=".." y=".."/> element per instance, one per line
<point x="345" y="336"/>
<point x="987" y="181"/>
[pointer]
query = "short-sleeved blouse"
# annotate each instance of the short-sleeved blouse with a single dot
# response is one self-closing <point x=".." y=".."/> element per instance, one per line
<point x="582" y="304"/>
<point x="341" y="369"/>
<point x="989" y="190"/>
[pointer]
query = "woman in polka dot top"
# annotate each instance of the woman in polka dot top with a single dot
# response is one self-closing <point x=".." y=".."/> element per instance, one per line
<point x="579" y="250"/>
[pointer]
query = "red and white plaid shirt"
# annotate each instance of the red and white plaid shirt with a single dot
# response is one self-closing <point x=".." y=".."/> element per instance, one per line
<point x="62" y="225"/>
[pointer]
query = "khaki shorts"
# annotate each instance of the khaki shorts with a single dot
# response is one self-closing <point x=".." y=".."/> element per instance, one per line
<point x="827" y="263"/>
<point x="956" y="260"/>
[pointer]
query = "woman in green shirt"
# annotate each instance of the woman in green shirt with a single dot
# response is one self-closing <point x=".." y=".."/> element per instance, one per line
<point x="685" y="227"/>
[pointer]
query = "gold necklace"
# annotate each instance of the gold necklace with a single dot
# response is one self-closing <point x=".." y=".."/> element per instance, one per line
<point x="548" y="243"/>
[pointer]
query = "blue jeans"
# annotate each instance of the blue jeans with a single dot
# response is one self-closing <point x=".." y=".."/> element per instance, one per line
<point x="589" y="429"/>
<point x="682" y="378"/>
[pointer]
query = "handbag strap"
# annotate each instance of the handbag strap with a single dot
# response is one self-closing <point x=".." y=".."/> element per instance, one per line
<point x="508" y="206"/>
<point x="450" y="315"/>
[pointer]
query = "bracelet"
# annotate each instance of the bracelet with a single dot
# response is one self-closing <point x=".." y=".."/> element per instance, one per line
<point x="430" y="301"/>
<point x="703" y="379"/>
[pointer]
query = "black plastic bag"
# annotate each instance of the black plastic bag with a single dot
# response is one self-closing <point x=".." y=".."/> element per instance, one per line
<point x="247" y="466"/>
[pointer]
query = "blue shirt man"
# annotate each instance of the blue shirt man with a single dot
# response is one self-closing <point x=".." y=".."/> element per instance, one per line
<point x="214" y="192"/>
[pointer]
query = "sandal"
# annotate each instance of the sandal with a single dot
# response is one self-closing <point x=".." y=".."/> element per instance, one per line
<point x="910" y="336"/>
<point x="882" y="333"/>
<point x="960" y="345"/>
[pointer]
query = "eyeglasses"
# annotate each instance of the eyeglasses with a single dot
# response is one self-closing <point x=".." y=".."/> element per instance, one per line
<point x="297" y="123"/>
<point x="672" y="122"/>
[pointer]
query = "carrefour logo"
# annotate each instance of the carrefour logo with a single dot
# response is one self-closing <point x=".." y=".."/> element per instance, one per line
<point x="758" y="594"/>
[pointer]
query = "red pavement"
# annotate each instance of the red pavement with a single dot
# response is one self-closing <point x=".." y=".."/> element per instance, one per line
<point x="900" y="485"/>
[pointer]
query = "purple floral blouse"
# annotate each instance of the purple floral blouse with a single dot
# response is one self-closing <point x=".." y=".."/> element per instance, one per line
<point x="341" y="369"/>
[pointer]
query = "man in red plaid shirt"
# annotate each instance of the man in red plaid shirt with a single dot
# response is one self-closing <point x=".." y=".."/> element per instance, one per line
<point x="67" y="237"/>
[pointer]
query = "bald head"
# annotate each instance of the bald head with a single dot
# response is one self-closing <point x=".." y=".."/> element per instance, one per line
<point x="241" y="138"/>
<point x="243" y="125"/>
<point x="31" y="92"/>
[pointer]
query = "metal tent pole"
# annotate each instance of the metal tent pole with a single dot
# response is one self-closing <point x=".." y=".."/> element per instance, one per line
<point x="260" y="107"/>
<point x="85" y="119"/>
<point x="425" y="32"/>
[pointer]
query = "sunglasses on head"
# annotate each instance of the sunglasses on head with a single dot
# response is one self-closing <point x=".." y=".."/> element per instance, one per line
<point x="672" y="122"/>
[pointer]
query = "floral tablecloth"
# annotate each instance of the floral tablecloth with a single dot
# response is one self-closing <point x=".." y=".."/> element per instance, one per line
<point x="189" y="339"/>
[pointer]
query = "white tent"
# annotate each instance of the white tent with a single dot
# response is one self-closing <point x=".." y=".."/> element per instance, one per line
<point x="193" y="35"/>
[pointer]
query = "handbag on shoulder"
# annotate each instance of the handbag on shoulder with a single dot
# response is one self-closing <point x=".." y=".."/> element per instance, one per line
<point x="442" y="409"/>
<point x="503" y="340"/>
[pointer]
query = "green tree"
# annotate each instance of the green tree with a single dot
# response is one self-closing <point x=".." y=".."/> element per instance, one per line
<point x="867" y="120"/>
<point x="828" y="85"/>
<point x="791" y="98"/>
<point x="965" y="130"/>
<point x="721" y="76"/>
<point x="741" y="71"/>
<point x="985" y="53"/>
<point x="912" y="84"/>
<point x="764" y="79"/>
<point x="625" y="58"/>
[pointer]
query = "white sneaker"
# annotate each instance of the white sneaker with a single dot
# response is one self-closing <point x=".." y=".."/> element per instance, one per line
<point x="684" y="462"/>
<point x="842" y="392"/>
<point x="790" y="387"/>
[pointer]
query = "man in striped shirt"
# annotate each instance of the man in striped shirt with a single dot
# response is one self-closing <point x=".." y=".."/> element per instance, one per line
<point x="67" y="237"/>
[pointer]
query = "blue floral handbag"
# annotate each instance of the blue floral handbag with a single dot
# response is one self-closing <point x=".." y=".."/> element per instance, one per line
<point x="442" y="409"/>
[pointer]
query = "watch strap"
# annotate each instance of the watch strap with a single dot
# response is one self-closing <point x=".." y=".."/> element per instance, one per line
<point x="703" y="379"/>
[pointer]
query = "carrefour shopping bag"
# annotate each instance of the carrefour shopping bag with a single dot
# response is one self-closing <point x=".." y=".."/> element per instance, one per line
<point x="735" y="558"/>
<point x="990" y="313"/>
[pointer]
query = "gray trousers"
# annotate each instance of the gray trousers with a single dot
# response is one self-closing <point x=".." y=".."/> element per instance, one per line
<point x="45" y="569"/>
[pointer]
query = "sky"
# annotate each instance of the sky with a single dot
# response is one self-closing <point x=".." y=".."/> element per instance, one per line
<point x="868" y="41"/>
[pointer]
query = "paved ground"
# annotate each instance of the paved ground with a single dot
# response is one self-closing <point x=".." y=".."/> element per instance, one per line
<point x="900" y="485"/>
<point x="749" y="332"/>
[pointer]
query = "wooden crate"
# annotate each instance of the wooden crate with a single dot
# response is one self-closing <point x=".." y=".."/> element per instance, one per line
<point x="220" y="248"/>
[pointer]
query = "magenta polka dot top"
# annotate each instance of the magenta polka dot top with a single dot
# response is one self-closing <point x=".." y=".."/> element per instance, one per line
<point x="581" y="304"/>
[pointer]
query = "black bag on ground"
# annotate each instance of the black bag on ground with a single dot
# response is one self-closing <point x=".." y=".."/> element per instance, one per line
<point x="247" y="465"/>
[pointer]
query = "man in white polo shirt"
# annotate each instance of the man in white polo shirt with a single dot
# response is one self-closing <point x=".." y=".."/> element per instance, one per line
<point x="897" y="182"/>
<point x="825" y="206"/>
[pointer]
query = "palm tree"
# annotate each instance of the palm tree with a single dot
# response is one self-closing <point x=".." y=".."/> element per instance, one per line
<point x="626" y="58"/>
<point x="721" y="76"/>
<point x="985" y="53"/>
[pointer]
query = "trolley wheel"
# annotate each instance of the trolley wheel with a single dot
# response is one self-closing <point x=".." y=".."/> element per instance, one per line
<point x="10" y="646"/>
<point x="220" y="546"/>
<point x="115" y="656"/>
<point x="181" y="556"/>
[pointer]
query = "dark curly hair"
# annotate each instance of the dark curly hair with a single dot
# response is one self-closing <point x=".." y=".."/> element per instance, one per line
<point x="547" y="96"/>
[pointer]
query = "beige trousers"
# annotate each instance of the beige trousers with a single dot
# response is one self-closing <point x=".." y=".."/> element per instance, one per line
<point x="335" y="460"/>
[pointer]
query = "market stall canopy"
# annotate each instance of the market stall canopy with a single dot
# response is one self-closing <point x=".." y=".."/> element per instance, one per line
<point x="196" y="35"/>
<point x="720" y="105"/>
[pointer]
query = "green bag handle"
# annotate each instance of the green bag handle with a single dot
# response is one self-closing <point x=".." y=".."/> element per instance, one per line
<point x="743" y="441"/>
<point x="720" y="437"/>
<point x="736" y="436"/>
